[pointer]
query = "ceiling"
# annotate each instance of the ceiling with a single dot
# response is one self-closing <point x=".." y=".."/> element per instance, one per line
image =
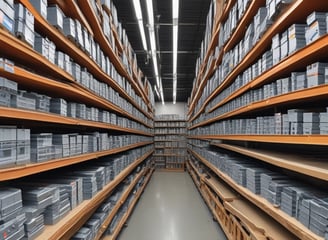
<point x="192" y="19"/>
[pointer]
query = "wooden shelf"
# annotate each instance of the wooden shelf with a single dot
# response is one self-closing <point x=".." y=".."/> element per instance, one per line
<point x="308" y="94"/>
<point x="313" y="167"/>
<point x="12" y="46"/>
<point x="167" y="155"/>
<point x="257" y="220"/>
<point x="70" y="91"/>
<point x="298" y="11"/>
<point x="70" y="224"/>
<point x="119" y="203"/>
<point x="293" y="62"/>
<point x="284" y="219"/>
<point x="128" y="213"/>
<point x="86" y="8"/>
<point x="214" y="40"/>
<point x="70" y="8"/>
<point x="35" y="168"/>
<point x="77" y="54"/>
<point x="287" y="139"/>
<point x="36" y="116"/>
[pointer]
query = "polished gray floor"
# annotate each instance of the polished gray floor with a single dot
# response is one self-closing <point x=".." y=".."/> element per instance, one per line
<point x="171" y="209"/>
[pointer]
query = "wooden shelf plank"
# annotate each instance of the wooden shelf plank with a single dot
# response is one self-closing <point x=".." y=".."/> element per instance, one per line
<point x="70" y="224"/>
<point x="12" y="46"/>
<point x="284" y="219"/>
<point x="128" y="213"/>
<point x="309" y="166"/>
<point x="23" y="114"/>
<point x="293" y="62"/>
<point x="119" y="203"/>
<point x="214" y="40"/>
<point x="308" y="94"/>
<point x="256" y="219"/>
<point x="86" y="8"/>
<point x="297" y="11"/>
<point x="74" y="90"/>
<point x="70" y="8"/>
<point x="77" y="54"/>
<point x="35" y="168"/>
<point x="284" y="139"/>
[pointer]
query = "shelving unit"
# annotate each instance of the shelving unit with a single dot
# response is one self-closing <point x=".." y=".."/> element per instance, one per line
<point x="130" y="209"/>
<point x="223" y="111"/>
<point x="238" y="218"/>
<point x="170" y="143"/>
<point x="118" y="114"/>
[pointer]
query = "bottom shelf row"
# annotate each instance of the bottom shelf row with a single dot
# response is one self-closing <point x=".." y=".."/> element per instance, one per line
<point x="238" y="218"/>
<point x="82" y="201"/>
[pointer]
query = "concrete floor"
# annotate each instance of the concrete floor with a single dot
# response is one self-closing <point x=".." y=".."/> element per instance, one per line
<point x="171" y="208"/>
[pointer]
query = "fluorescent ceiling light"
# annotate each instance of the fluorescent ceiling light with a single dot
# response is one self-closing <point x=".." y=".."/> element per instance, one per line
<point x="150" y="11"/>
<point x="175" y="20"/>
<point x="137" y="9"/>
<point x="156" y="90"/>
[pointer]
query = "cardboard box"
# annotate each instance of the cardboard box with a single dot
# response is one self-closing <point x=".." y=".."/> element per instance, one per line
<point x="55" y="16"/>
<point x="40" y="6"/>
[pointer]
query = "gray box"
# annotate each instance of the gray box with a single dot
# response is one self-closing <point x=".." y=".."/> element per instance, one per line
<point x="59" y="106"/>
<point x="40" y="6"/>
<point x="284" y="44"/>
<point x="69" y="28"/>
<point x="296" y="37"/>
<point x="23" y="146"/>
<point x="55" y="16"/>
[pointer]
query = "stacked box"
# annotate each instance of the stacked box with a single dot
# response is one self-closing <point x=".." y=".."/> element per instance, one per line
<point x="296" y="37"/>
<point x="62" y="141"/>
<point x="79" y="34"/>
<point x="14" y="228"/>
<point x="23" y="147"/>
<point x="94" y="225"/>
<point x="286" y="85"/>
<point x="276" y="49"/>
<point x="319" y="216"/>
<point x="59" y="59"/>
<point x="275" y="189"/>
<point x="284" y="45"/>
<point x="303" y="211"/>
<point x="24" y="24"/>
<point x="55" y="16"/>
<point x="41" y="45"/>
<point x="323" y="123"/>
<point x="295" y="118"/>
<point x="7" y="15"/>
<point x="7" y="90"/>
<point x="278" y="123"/>
<point x="8" y="150"/>
<point x="69" y="28"/>
<point x="52" y="52"/>
<point x="260" y="21"/>
<point x="76" y="72"/>
<point x="41" y="7"/>
<point x="67" y="64"/>
<point x="298" y="80"/>
<point x="316" y="74"/>
<point x="81" y="111"/>
<point x="267" y="61"/>
<point x="71" y="109"/>
<point x="10" y="203"/>
<point x="275" y="7"/>
<point x="89" y="183"/>
<point x="20" y="101"/>
<point x="42" y="102"/>
<point x="311" y="123"/>
<point x="253" y="179"/>
<point x="59" y="106"/>
<point x="34" y="227"/>
<point x="84" y="233"/>
<point x="41" y="147"/>
<point x="317" y="26"/>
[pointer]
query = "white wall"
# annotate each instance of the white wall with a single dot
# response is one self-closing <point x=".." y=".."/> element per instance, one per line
<point x="179" y="108"/>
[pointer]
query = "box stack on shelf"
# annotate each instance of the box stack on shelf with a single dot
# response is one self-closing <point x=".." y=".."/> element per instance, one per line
<point x="72" y="104"/>
<point x="264" y="97"/>
<point x="170" y="142"/>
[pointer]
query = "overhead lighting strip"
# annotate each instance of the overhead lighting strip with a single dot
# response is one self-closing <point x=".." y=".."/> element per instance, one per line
<point x="137" y="9"/>
<point x="175" y="21"/>
<point x="151" y="30"/>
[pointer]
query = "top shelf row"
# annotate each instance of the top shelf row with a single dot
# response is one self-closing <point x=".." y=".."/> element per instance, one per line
<point x="86" y="53"/>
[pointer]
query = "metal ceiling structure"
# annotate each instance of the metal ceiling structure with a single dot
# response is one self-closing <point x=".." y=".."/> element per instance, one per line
<point x="192" y="19"/>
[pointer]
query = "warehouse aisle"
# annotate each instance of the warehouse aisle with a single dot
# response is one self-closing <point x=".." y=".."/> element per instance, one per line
<point x="171" y="209"/>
